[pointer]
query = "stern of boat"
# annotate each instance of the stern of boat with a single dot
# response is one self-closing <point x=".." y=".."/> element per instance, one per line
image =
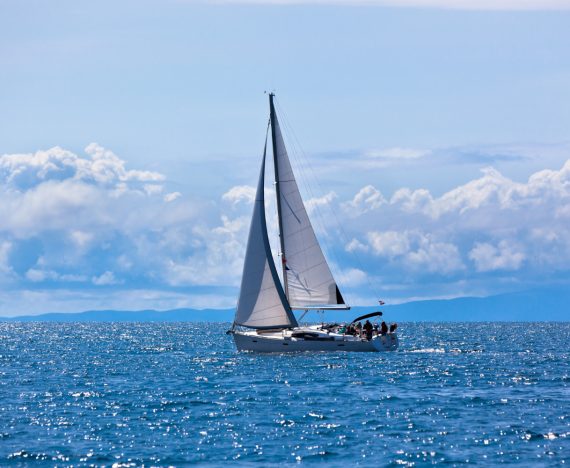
<point x="387" y="342"/>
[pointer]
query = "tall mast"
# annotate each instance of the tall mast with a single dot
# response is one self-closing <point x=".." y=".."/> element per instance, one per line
<point x="273" y="119"/>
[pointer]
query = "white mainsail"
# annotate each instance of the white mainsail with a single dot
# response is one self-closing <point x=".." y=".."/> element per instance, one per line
<point x="309" y="282"/>
<point x="262" y="302"/>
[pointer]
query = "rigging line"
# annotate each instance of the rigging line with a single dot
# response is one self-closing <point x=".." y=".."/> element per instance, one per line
<point x="372" y="287"/>
<point x="303" y="163"/>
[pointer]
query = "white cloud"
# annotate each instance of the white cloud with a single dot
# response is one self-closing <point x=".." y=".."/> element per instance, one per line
<point x="356" y="246"/>
<point x="103" y="167"/>
<point x="441" y="4"/>
<point x="506" y="256"/>
<point x="81" y="238"/>
<point x="396" y="153"/>
<point x="418" y="200"/>
<point x="5" y="268"/>
<point x="500" y="225"/>
<point x="352" y="277"/>
<point x="494" y="190"/>
<point x="153" y="189"/>
<point x="105" y="279"/>
<point x="389" y="243"/>
<point x="91" y="219"/>
<point x="240" y="193"/>
<point x="39" y="275"/>
<point x="59" y="190"/>
<point x="219" y="262"/>
<point x="170" y="197"/>
<point x="545" y="234"/>
<point x="87" y="214"/>
<point x="416" y="251"/>
<point x="368" y="198"/>
<point x="313" y="204"/>
<point x="435" y="257"/>
<point x="97" y="192"/>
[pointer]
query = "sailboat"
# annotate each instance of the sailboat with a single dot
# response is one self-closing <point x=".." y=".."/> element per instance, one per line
<point x="264" y="319"/>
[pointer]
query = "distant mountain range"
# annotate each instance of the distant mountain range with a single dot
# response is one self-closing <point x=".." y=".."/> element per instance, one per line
<point x="536" y="305"/>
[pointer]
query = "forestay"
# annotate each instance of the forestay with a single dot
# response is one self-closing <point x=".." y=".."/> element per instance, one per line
<point x="262" y="302"/>
<point x="309" y="279"/>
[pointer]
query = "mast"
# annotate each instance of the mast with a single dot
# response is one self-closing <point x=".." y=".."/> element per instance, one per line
<point x="273" y="119"/>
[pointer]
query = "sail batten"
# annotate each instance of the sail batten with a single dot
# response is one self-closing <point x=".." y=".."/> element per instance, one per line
<point x="306" y="274"/>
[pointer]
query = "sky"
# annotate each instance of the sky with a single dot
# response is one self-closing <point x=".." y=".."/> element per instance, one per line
<point x="430" y="138"/>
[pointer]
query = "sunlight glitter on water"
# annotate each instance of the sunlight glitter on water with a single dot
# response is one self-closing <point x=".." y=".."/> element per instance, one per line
<point x="172" y="394"/>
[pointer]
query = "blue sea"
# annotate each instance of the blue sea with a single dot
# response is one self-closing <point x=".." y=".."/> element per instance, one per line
<point x="160" y="394"/>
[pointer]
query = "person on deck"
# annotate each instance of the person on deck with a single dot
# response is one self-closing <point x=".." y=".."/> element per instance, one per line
<point x="383" y="328"/>
<point x="368" y="329"/>
<point x="358" y="328"/>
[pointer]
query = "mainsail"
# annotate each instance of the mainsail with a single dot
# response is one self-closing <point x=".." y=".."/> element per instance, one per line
<point x="262" y="302"/>
<point x="308" y="279"/>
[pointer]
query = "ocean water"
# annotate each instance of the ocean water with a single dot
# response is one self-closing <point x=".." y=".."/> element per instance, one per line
<point x="171" y="394"/>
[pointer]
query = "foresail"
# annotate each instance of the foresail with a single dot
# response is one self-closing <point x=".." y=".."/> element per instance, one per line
<point x="262" y="302"/>
<point x="310" y="282"/>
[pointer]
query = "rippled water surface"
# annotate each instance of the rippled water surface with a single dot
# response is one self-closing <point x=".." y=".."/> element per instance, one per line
<point x="170" y="394"/>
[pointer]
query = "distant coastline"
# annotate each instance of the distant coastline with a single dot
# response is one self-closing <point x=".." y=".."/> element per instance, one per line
<point x="529" y="306"/>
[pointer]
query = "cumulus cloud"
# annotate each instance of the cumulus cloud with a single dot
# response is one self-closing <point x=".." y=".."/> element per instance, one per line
<point x="390" y="243"/>
<point x="491" y="224"/>
<point x="356" y="246"/>
<point x="105" y="279"/>
<point x="492" y="188"/>
<point x="218" y="262"/>
<point x="368" y="198"/>
<point x="103" y="167"/>
<point x="58" y="190"/>
<point x="504" y="256"/>
<point x="90" y="221"/>
<point x="416" y="251"/>
<point x="315" y="203"/>
<point x="240" y="193"/>
<point x="435" y="257"/>
<point x="543" y="188"/>
<point x="89" y="215"/>
<point x="352" y="277"/>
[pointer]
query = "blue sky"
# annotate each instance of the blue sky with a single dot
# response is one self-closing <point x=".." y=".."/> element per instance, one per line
<point x="131" y="132"/>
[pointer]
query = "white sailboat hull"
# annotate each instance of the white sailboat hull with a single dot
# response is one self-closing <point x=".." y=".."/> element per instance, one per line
<point x="284" y="341"/>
